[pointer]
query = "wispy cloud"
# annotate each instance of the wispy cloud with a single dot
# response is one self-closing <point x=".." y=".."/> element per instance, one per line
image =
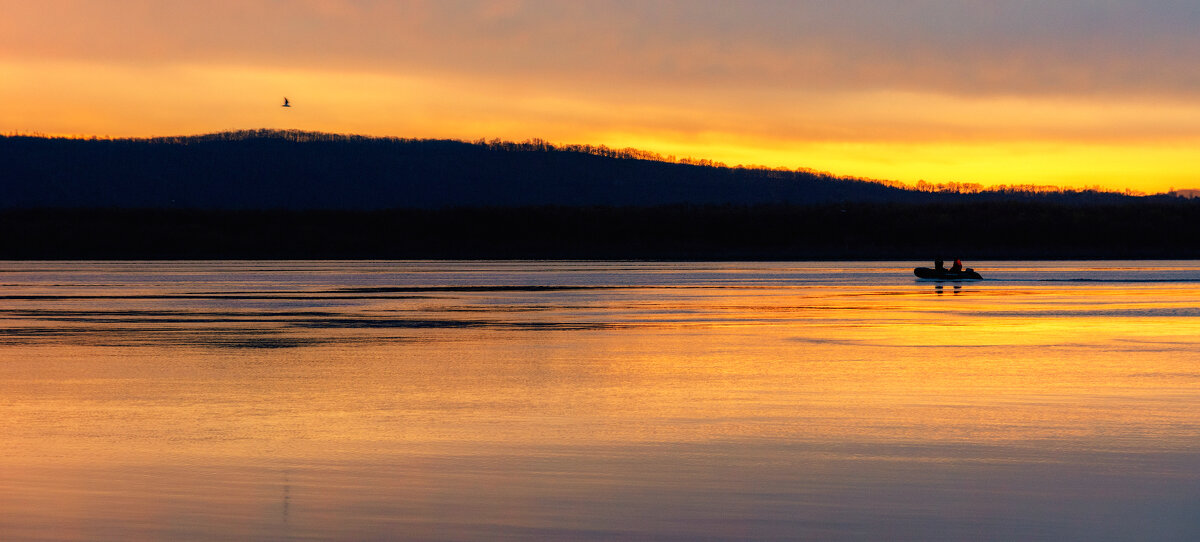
<point x="1064" y="47"/>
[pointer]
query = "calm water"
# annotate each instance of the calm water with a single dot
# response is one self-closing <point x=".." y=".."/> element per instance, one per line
<point x="598" y="401"/>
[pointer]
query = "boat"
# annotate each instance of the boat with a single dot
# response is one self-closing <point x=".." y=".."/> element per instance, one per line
<point x="946" y="274"/>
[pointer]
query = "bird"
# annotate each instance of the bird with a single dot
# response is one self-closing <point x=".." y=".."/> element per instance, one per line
<point x="285" y="102"/>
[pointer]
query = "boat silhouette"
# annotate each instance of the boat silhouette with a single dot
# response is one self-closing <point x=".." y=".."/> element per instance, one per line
<point x="946" y="274"/>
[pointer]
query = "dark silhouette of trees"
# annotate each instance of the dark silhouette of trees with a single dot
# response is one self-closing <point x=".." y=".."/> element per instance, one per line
<point x="269" y="169"/>
<point x="292" y="194"/>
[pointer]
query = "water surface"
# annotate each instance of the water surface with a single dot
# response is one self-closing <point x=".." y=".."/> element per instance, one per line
<point x="598" y="401"/>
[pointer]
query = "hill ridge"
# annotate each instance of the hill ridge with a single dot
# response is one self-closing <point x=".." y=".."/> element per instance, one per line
<point x="300" y="170"/>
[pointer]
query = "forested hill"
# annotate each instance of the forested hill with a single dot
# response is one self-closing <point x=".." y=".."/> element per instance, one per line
<point x="289" y="170"/>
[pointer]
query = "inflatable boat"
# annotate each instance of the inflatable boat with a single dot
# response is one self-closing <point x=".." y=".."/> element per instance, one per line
<point x="946" y="274"/>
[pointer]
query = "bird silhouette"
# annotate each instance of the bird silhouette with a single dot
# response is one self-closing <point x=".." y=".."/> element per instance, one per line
<point x="285" y="102"/>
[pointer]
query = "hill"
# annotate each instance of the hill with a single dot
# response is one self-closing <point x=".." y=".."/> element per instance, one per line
<point x="262" y="169"/>
<point x="269" y="194"/>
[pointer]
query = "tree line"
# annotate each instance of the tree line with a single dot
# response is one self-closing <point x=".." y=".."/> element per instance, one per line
<point x="273" y="169"/>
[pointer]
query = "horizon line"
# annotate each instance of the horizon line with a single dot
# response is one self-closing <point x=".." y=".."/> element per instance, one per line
<point x="631" y="152"/>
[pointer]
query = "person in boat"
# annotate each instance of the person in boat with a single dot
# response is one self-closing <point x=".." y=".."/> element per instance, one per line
<point x="938" y="265"/>
<point x="957" y="267"/>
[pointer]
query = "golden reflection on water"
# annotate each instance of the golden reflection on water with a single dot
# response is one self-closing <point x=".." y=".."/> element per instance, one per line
<point x="727" y="412"/>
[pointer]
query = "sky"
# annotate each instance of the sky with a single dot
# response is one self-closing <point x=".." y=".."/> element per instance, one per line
<point x="1070" y="93"/>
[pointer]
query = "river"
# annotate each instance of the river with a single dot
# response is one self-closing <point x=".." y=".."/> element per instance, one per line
<point x="545" y="400"/>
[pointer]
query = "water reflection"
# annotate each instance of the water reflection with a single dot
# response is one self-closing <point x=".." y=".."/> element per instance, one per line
<point x="678" y="401"/>
<point x="939" y="289"/>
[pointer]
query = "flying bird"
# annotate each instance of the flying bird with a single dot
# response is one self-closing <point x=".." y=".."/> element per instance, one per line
<point x="285" y="102"/>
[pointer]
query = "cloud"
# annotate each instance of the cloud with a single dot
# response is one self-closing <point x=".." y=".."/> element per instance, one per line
<point x="958" y="47"/>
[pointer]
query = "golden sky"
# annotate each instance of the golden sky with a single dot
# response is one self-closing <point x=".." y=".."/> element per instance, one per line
<point x="1071" y="93"/>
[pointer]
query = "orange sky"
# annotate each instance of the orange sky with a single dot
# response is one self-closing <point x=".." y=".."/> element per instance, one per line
<point x="1075" y="94"/>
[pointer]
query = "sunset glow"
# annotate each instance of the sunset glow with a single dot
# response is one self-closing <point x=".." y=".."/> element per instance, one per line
<point x="1073" y="95"/>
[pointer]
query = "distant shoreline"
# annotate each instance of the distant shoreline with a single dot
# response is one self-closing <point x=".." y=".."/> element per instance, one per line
<point x="1144" y="230"/>
<point x="263" y="194"/>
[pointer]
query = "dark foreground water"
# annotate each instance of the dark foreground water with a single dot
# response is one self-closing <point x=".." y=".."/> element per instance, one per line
<point x="598" y="401"/>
